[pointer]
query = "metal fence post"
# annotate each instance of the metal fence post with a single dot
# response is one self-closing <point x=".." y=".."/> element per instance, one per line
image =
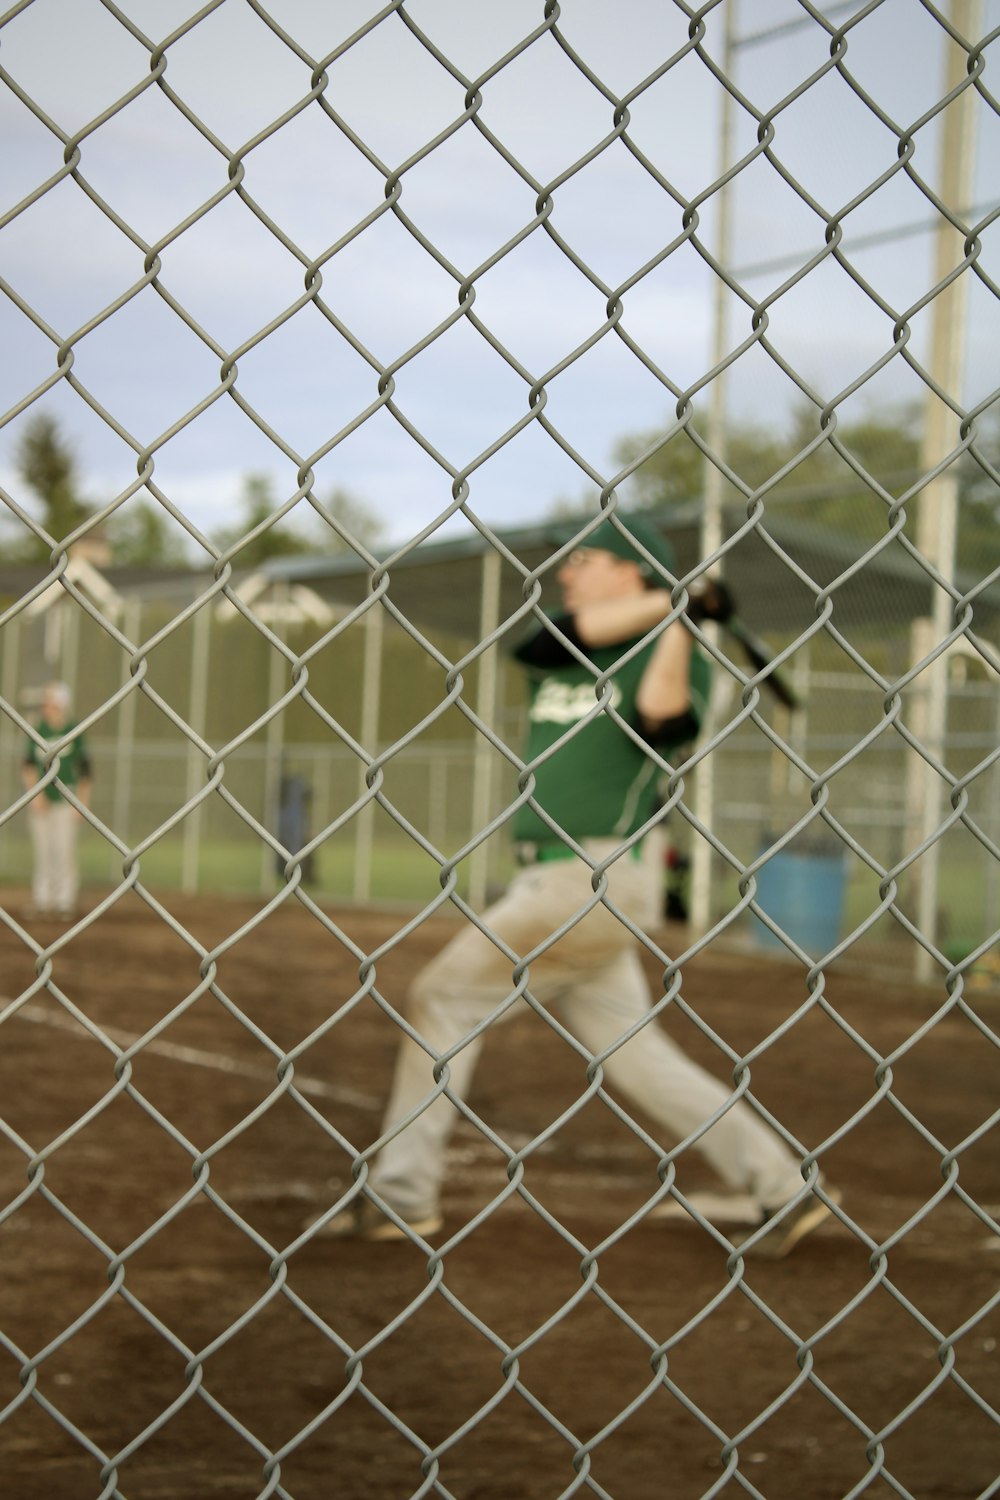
<point x="937" y="517"/>
<point x="371" y="691"/>
<point x="486" y="708"/>
<point x="197" y="718"/>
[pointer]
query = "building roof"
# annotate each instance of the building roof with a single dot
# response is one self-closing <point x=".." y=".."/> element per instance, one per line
<point x="776" y="576"/>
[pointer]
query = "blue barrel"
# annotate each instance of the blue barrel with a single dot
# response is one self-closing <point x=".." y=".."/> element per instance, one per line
<point x="802" y="889"/>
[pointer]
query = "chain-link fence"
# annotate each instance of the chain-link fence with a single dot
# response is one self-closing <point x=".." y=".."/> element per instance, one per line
<point x="508" y="274"/>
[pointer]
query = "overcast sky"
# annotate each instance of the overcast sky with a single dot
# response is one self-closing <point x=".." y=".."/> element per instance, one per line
<point x="64" y="261"/>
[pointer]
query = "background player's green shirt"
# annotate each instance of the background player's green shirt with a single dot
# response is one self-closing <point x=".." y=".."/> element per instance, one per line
<point x="599" y="783"/>
<point x="74" y="762"/>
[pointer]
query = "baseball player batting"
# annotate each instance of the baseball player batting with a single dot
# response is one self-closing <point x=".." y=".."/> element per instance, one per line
<point x="596" y="784"/>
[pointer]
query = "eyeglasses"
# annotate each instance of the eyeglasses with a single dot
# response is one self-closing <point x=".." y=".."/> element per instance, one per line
<point x="582" y="556"/>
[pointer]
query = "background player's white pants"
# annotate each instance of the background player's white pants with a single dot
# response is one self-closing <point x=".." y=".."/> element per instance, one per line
<point x="593" y="978"/>
<point x="54" y="828"/>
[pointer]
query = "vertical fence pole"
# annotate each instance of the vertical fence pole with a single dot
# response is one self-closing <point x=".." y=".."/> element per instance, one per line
<point x="438" y="767"/>
<point x="125" y="748"/>
<point x="371" y="692"/>
<point x="11" y="661"/>
<point x="322" y="775"/>
<point x="486" y="708"/>
<point x="11" y="751"/>
<point x="69" y="657"/>
<point x="197" y="716"/>
<point x="991" y="885"/>
<point x="274" y="739"/>
<point x="937" y="516"/>
<point x="705" y="785"/>
<point x="52" y="639"/>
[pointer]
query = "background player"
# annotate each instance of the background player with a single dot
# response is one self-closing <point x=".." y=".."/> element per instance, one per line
<point x="55" y="821"/>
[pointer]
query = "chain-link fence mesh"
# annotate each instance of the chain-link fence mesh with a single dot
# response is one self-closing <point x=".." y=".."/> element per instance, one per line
<point x="479" y="233"/>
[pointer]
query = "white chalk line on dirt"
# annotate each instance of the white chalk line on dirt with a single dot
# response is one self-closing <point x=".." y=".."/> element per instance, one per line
<point x="719" y="1208"/>
<point x="195" y="1057"/>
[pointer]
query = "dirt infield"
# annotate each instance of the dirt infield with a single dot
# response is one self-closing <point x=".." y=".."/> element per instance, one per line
<point x="852" y="1348"/>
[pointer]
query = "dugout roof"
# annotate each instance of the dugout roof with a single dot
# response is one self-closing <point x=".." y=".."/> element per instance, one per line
<point x="439" y="584"/>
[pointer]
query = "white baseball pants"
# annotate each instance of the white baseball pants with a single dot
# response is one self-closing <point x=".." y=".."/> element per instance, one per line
<point x="55" y="881"/>
<point x="593" y="978"/>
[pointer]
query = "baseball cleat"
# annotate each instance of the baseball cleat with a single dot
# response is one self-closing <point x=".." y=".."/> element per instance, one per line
<point x="363" y="1221"/>
<point x="792" y="1225"/>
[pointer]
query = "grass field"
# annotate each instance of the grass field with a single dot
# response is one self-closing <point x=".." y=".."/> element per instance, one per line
<point x="400" y="872"/>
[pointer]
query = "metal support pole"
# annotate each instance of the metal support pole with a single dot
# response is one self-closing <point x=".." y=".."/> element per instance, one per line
<point x="937" y="515"/>
<point x="991" y="884"/>
<point x="125" y="742"/>
<point x="705" y="786"/>
<point x="197" y="716"/>
<point x="486" y="708"/>
<point x="11" y="751"/>
<point x="69" y="664"/>
<point x="322" y="774"/>
<point x="275" y="736"/>
<point x="371" y="691"/>
<point x="438" y="768"/>
<point x="53" y="636"/>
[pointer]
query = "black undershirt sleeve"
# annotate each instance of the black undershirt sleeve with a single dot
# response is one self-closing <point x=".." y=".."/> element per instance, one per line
<point x="680" y="729"/>
<point x="543" y="650"/>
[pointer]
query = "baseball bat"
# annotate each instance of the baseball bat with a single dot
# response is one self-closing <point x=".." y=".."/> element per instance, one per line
<point x="759" y="656"/>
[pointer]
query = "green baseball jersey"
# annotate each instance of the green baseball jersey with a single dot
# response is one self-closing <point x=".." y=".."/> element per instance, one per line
<point x="74" y="762"/>
<point x="599" y="782"/>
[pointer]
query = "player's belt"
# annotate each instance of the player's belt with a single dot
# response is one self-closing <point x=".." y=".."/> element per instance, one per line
<point x="542" y="853"/>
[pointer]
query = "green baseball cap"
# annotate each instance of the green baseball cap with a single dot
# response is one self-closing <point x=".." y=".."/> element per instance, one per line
<point x="621" y="542"/>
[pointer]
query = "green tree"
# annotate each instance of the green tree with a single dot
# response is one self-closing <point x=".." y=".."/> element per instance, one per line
<point x="47" y="464"/>
<point x="675" y="472"/>
<point x="888" y="445"/>
<point x="140" y="534"/>
<point x="290" y="537"/>
<point x="356" y="516"/>
<point x="826" y="488"/>
<point x="979" y="528"/>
